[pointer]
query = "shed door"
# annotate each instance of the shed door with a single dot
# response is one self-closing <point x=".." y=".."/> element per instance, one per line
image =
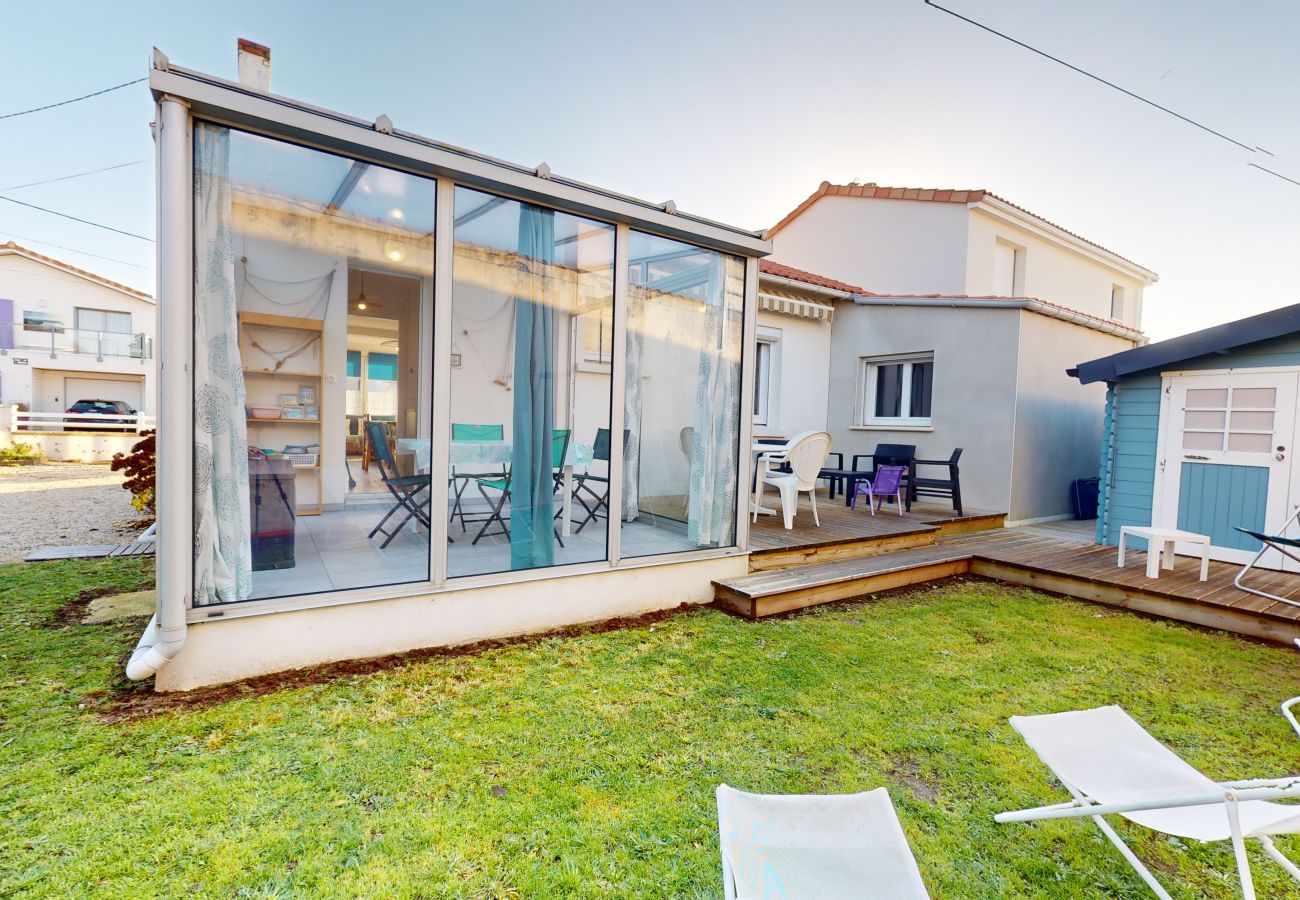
<point x="1226" y="459"/>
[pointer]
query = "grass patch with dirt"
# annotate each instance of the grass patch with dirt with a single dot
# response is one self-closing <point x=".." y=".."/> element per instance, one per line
<point x="585" y="765"/>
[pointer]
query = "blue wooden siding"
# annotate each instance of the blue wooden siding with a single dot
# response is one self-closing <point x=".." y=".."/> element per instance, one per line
<point x="1212" y="499"/>
<point x="1128" y="475"/>
<point x="1128" y="470"/>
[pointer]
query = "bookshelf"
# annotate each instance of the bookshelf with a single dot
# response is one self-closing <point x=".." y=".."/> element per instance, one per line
<point x="266" y="378"/>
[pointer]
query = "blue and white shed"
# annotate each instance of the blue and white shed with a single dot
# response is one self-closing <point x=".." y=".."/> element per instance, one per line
<point x="1200" y="433"/>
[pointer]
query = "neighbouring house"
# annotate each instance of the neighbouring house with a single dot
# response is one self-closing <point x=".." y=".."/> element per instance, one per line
<point x="550" y="385"/>
<point x="1200" y="433"/>
<point x="68" y="335"/>
<point x="968" y="307"/>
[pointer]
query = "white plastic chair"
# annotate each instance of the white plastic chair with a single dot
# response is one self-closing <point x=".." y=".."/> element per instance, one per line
<point x="805" y="454"/>
<point x="810" y="847"/>
<point x="1111" y="765"/>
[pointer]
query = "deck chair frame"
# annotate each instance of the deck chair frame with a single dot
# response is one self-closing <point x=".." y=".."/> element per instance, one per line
<point x="1230" y="794"/>
<point x="1279" y="542"/>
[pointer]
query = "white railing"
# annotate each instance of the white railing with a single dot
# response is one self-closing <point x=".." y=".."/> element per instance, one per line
<point x="111" y="423"/>
<point x="80" y="341"/>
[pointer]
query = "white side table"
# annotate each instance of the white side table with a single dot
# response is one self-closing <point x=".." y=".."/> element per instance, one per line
<point x="1160" y="545"/>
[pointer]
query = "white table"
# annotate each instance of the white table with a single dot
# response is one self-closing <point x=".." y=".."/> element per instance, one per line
<point x="760" y="469"/>
<point x="1160" y="545"/>
<point x="496" y="453"/>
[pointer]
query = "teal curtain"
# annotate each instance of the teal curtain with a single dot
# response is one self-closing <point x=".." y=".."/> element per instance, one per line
<point x="532" y="489"/>
<point x="354" y="364"/>
<point x="381" y="367"/>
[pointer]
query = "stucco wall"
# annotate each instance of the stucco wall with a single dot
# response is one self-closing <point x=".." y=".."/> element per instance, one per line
<point x="1051" y="271"/>
<point x="800" y="375"/>
<point x="975" y="359"/>
<point x="1058" y="420"/>
<point x="884" y="246"/>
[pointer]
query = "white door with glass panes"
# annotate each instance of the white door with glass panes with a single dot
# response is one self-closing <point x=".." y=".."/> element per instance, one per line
<point x="1226" y="458"/>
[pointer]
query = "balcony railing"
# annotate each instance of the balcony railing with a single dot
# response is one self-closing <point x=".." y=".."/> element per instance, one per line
<point x="116" y="423"/>
<point x="78" y="341"/>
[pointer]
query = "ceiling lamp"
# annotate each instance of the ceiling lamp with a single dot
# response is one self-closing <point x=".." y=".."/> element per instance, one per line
<point x="361" y="297"/>
<point x="394" y="251"/>
<point x="396" y="214"/>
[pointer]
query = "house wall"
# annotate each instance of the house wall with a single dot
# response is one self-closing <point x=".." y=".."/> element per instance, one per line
<point x="1051" y="271"/>
<point x="1129" y="443"/>
<point x="1058" y="421"/>
<point x="234" y="647"/>
<point x="886" y="246"/>
<point x="36" y="286"/>
<point x="975" y="360"/>
<point x="800" y="377"/>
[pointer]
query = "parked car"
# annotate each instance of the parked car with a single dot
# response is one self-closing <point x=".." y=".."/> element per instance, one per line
<point x="104" y="408"/>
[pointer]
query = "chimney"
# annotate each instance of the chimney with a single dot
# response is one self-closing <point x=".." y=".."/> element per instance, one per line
<point x="254" y="65"/>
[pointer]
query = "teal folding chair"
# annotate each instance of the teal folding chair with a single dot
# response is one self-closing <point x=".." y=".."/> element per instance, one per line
<point x="559" y="449"/>
<point x="460" y="480"/>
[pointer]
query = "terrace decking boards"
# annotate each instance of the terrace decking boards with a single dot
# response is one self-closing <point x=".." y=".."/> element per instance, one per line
<point x="1057" y="565"/>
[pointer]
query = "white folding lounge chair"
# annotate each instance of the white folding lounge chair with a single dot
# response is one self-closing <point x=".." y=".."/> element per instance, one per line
<point x="1111" y="765"/>
<point x="810" y="847"/>
<point x="1287" y="546"/>
<point x="1286" y="707"/>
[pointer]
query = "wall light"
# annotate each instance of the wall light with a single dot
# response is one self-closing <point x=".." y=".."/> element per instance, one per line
<point x="394" y="251"/>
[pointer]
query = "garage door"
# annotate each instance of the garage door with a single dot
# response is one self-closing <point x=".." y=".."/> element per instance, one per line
<point x="130" y="391"/>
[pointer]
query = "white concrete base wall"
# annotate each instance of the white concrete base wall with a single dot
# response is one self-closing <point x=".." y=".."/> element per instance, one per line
<point x="224" y="650"/>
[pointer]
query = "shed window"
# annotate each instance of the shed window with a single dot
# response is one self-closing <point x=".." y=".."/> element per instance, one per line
<point x="1232" y="419"/>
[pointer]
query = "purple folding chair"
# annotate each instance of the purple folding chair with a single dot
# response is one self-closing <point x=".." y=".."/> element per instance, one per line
<point x="887" y="483"/>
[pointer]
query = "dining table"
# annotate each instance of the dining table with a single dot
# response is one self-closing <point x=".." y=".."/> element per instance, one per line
<point x="499" y="453"/>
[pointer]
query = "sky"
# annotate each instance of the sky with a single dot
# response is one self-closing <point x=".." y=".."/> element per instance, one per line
<point x="736" y="111"/>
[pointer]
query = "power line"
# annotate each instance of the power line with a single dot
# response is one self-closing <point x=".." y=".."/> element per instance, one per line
<point x="14" y="187"/>
<point x="1098" y="78"/>
<point x="32" y="240"/>
<point x="75" y="219"/>
<point x="116" y="87"/>
<point x="1276" y="174"/>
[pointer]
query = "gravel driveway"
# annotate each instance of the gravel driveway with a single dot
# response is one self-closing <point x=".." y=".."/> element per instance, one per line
<point x="55" y="504"/>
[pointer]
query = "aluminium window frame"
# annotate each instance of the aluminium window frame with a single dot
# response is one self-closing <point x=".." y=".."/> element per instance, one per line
<point x="184" y="95"/>
<point x="867" y="382"/>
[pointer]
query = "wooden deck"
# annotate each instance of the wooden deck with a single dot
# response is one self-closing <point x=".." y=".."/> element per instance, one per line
<point x="847" y="534"/>
<point x="92" y="551"/>
<point x="1072" y="568"/>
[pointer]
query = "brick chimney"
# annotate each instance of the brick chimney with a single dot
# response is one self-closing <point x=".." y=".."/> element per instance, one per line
<point x="254" y="65"/>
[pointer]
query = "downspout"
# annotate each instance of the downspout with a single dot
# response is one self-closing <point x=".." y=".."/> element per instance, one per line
<point x="165" y="634"/>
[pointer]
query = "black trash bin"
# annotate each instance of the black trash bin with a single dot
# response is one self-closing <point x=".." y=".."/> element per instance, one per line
<point x="271" y="508"/>
<point x="1083" y="497"/>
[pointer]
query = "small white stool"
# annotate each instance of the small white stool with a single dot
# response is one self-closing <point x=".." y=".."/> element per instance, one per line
<point x="1160" y="544"/>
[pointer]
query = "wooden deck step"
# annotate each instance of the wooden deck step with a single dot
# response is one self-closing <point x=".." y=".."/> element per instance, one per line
<point x="92" y="551"/>
<point x="768" y="593"/>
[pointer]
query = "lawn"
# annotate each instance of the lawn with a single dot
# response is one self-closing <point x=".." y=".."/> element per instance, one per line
<point x="585" y="765"/>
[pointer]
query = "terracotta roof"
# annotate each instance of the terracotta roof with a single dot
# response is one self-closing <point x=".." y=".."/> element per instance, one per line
<point x="942" y="195"/>
<point x="768" y="267"/>
<point x="11" y="247"/>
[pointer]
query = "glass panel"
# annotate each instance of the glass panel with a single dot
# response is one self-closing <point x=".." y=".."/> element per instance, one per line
<point x="1252" y="421"/>
<point x="279" y="508"/>
<point x="889" y="390"/>
<point x="1207" y="398"/>
<point x="762" y="380"/>
<point x="682" y="397"/>
<point x="1256" y="398"/>
<point x="1203" y="440"/>
<point x="922" y="386"/>
<point x="1204" y="418"/>
<point x="530" y="423"/>
<point x="1250" y="443"/>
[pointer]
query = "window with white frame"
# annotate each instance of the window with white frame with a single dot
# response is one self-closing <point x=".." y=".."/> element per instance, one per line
<point x="595" y="339"/>
<point x="766" y="368"/>
<point x="896" y="390"/>
<point x="1008" y="269"/>
<point x="1117" y="302"/>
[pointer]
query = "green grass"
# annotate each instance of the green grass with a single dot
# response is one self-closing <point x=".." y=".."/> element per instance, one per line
<point x="585" y="766"/>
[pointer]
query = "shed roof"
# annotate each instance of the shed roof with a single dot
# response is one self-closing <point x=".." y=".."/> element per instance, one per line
<point x="1218" y="339"/>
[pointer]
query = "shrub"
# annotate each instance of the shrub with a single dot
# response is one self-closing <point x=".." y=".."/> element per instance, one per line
<point x="140" y="468"/>
<point x="18" y="454"/>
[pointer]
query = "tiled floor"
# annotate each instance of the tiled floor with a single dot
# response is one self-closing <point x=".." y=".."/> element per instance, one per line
<point x="332" y="551"/>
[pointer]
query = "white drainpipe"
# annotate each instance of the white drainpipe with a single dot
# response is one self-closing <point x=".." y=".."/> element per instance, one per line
<point x="164" y="637"/>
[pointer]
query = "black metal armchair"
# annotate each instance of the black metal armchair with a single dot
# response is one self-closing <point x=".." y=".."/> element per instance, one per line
<point x="940" y="487"/>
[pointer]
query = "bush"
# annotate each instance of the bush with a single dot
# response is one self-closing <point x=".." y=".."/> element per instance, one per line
<point x="140" y="468"/>
<point x="18" y="454"/>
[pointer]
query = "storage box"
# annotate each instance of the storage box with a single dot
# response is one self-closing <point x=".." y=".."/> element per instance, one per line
<point x="271" y="512"/>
